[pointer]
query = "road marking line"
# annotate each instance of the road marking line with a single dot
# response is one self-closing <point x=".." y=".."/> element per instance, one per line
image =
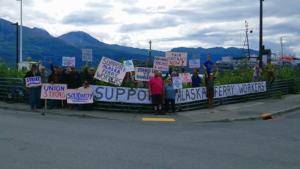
<point x="146" y="119"/>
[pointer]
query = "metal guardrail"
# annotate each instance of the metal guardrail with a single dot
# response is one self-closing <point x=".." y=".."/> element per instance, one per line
<point x="12" y="90"/>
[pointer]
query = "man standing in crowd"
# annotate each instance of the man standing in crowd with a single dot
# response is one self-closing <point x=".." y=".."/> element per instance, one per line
<point x="156" y="91"/>
<point x="270" y="73"/>
<point x="196" y="80"/>
<point x="256" y="73"/>
<point x="209" y="80"/>
<point x="34" y="92"/>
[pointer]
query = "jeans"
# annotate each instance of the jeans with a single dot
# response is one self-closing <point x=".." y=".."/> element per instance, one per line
<point x="172" y="102"/>
<point x="34" y="97"/>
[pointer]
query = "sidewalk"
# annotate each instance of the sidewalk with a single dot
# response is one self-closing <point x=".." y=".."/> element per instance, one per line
<point x="232" y="112"/>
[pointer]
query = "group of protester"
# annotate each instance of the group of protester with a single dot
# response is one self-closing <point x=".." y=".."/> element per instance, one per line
<point x="161" y="88"/>
<point x="163" y="94"/>
<point x="57" y="75"/>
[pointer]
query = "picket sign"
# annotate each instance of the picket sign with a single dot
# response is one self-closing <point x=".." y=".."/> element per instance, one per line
<point x="143" y="74"/>
<point x="129" y="66"/>
<point x="161" y="64"/>
<point x="87" y="55"/>
<point x="177" y="82"/>
<point x="68" y="61"/>
<point x="186" y="77"/>
<point x="177" y="58"/>
<point x="35" y="81"/>
<point x="194" y="63"/>
<point x="80" y="96"/>
<point x="110" y="71"/>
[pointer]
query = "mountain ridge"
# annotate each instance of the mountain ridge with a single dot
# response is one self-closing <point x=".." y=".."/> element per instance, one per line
<point x="41" y="45"/>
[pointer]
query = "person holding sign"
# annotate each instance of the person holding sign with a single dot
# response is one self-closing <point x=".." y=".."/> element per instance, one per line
<point x="156" y="91"/>
<point x="33" y="84"/>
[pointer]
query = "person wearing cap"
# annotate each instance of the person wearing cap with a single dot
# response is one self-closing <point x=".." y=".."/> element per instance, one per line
<point x="34" y="92"/>
<point x="156" y="91"/>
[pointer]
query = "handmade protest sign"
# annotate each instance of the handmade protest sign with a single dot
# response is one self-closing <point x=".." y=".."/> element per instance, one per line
<point x="54" y="91"/>
<point x="87" y="55"/>
<point x="161" y="64"/>
<point x="110" y="71"/>
<point x="80" y="96"/>
<point x="33" y="81"/>
<point x="143" y="74"/>
<point x="177" y="58"/>
<point x="194" y="63"/>
<point x="68" y="61"/>
<point x="186" y="77"/>
<point x="177" y="82"/>
<point x="129" y="66"/>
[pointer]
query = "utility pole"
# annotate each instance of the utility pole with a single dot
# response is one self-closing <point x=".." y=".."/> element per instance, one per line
<point x="247" y="38"/>
<point x="150" y="53"/>
<point x="281" y="45"/>
<point x="261" y="48"/>
<point x="21" y="30"/>
<point x="17" y="43"/>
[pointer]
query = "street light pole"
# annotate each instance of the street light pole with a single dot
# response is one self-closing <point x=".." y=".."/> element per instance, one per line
<point x="17" y="44"/>
<point x="281" y="45"/>
<point x="21" y="30"/>
<point x="261" y="35"/>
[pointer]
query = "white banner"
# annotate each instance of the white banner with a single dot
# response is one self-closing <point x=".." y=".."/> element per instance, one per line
<point x="194" y="63"/>
<point x="110" y="71"/>
<point x="54" y="91"/>
<point x="177" y="58"/>
<point x="197" y="94"/>
<point x="68" y="61"/>
<point x="141" y="96"/>
<point x="129" y="66"/>
<point x="33" y="81"/>
<point x="80" y="96"/>
<point x="121" y="94"/>
<point x="143" y="74"/>
<point x="87" y="55"/>
<point x="161" y="64"/>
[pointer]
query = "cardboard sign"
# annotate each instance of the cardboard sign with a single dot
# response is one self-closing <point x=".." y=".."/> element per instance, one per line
<point x="186" y="77"/>
<point x="110" y="71"/>
<point x="68" y="61"/>
<point x="129" y="66"/>
<point x="54" y="91"/>
<point x="80" y="96"/>
<point x="143" y="74"/>
<point x="177" y="82"/>
<point x="194" y="63"/>
<point x="33" y="81"/>
<point x="87" y="55"/>
<point x="161" y="64"/>
<point x="177" y="58"/>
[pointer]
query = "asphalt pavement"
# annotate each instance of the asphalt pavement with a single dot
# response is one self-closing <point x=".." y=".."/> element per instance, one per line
<point x="31" y="141"/>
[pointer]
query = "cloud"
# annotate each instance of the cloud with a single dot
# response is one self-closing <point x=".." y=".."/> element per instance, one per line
<point x="91" y="17"/>
<point x="156" y="23"/>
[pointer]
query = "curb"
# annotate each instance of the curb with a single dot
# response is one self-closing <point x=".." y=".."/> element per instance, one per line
<point x="276" y="115"/>
<point x="226" y="120"/>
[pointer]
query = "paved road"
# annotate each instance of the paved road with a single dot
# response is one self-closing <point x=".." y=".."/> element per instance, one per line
<point x="31" y="141"/>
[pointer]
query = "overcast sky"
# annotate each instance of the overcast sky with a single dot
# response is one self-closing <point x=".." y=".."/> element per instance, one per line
<point x="168" y="23"/>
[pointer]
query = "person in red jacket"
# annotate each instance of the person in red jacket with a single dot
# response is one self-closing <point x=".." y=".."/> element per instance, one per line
<point x="156" y="91"/>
